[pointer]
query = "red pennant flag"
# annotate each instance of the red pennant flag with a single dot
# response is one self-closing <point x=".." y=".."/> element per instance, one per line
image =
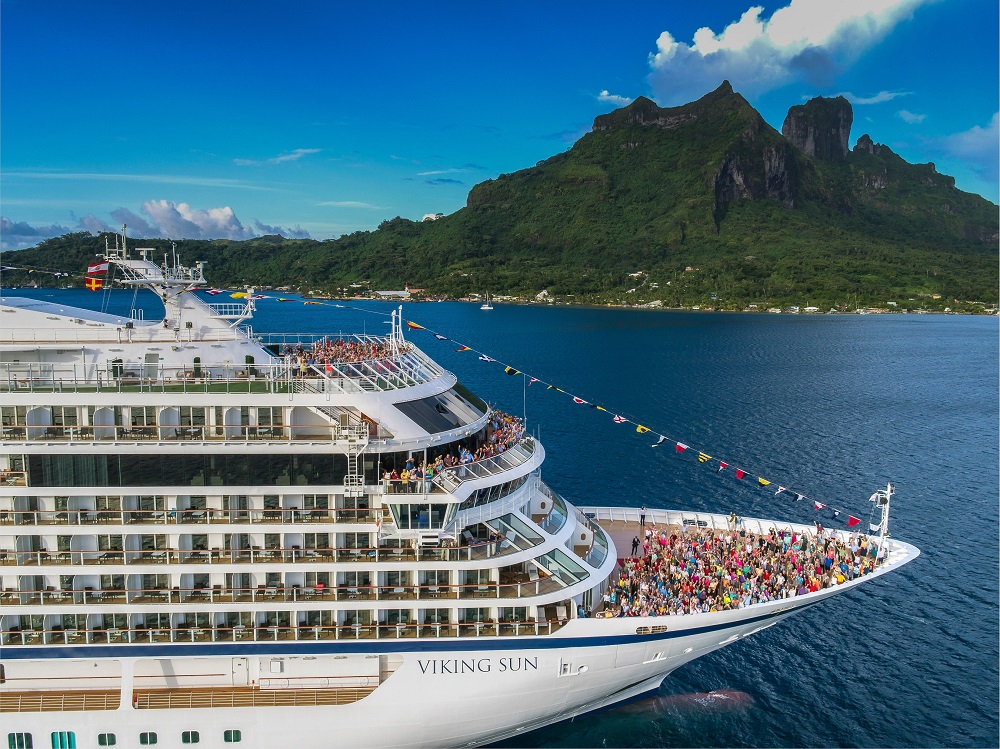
<point x="740" y="473"/>
<point x="722" y="464"/>
<point x="414" y="326"/>
<point x="818" y="505"/>
<point x="214" y="292"/>
<point x="533" y="379"/>
<point x="852" y="521"/>
<point x="329" y="366"/>
<point x="619" y="419"/>
<point x="680" y="447"/>
<point x="578" y="400"/>
<point x="94" y="284"/>
<point x="463" y="348"/>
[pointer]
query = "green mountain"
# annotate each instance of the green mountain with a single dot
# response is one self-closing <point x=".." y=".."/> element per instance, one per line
<point x="699" y="204"/>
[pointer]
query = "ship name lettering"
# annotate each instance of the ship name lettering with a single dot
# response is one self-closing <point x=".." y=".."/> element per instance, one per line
<point x="476" y="665"/>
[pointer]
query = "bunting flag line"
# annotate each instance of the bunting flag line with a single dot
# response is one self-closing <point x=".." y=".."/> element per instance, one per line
<point x="93" y="284"/>
<point x="241" y="295"/>
<point x="680" y="447"/>
<point x="98" y="269"/>
<point x="284" y="299"/>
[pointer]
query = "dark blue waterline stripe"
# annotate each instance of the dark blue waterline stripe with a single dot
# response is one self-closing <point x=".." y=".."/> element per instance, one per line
<point x="444" y="644"/>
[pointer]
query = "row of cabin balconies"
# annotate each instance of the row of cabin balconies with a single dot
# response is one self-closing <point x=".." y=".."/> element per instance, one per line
<point x="173" y="432"/>
<point x="295" y="625"/>
<point x="271" y="516"/>
<point x="262" y="594"/>
<point x="256" y="554"/>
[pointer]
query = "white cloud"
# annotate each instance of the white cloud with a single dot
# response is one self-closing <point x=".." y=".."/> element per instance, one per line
<point x="978" y="147"/>
<point x="811" y="40"/>
<point x="878" y="98"/>
<point x="295" y="155"/>
<point x="181" y="221"/>
<point x="619" y="101"/>
<point x="164" y="179"/>
<point x="348" y="204"/>
<point x="166" y="219"/>
<point x="910" y="118"/>
<point x="441" y="171"/>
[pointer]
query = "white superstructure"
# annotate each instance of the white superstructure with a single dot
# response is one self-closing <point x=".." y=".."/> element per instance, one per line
<point x="198" y="544"/>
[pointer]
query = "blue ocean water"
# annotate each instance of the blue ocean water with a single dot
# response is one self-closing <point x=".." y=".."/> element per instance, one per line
<point x="833" y="406"/>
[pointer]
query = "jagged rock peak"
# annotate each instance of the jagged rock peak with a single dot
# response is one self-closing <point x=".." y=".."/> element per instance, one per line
<point x="821" y="127"/>
<point x="644" y="111"/>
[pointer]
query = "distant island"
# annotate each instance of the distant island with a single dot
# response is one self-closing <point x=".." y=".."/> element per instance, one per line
<point x="699" y="206"/>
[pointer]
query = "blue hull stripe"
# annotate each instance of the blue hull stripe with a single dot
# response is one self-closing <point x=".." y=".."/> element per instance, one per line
<point x="306" y="647"/>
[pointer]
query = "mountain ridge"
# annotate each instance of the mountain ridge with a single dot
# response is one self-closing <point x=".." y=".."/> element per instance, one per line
<point x="683" y="195"/>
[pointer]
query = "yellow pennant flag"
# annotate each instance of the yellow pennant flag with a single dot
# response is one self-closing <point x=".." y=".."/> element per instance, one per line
<point x="762" y="482"/>
<point x="641" y="429"/>
<point x="238" y="295"/>
<point x="702" y="458"/>
<point x="600" y="408"/>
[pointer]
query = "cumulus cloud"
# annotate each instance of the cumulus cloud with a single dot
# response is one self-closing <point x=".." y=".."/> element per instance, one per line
<point x="138" y="226"/>
<point x="878" y="98"/>
<point x="295" y="155"/>
<point x="16" y="235"/>
<point x="166" y="219"/>
<point x="810" y="40"/>
<point x="978" y="147"/>
<point x="618" y="101"/>
<point x="297" y="233"/>
<point x="910" y="118"/>
<point x="182" y="221"/>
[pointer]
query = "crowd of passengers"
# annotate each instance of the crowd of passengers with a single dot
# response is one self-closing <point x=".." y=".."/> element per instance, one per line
<point x="501" y="433"/>
<point x="702" y="570"/>
<point x="335" y="351"/>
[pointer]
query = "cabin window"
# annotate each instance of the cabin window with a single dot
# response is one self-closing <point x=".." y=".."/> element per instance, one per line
<point x="147" y="739"/>
<point x="106" y="739"/>
<point x="19" y="741"/>
<point x="232" y="736"/>
<point x="190" y="737"/>
<point x="63" y="740"/>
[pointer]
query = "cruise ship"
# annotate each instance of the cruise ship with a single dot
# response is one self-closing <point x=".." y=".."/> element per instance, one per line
<point x="203" y="541"/>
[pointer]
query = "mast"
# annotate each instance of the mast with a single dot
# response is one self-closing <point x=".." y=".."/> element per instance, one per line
<point x="882" y="499"/>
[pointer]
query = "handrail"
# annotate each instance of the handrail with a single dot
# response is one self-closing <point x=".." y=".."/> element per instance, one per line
<point x="269" y="632"/>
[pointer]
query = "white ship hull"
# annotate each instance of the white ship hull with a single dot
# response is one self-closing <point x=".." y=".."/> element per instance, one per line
<point x="439" y="692"/>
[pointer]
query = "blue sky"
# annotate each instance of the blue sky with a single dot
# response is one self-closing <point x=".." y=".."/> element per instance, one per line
<point x="235" y="119"/>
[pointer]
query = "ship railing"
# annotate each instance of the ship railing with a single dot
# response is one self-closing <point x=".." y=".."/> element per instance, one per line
<point x="203" y="516"/>
<point x="167" y="432"/>
<point x="128" y="331"/>
<point x="391" y="373"/>
<point x="475" y="550"/>
<point x="552" y="521"/>
<point x="451" y="478"/>
<point x="268" y="631"/>
<point x="706" y="521"/>
<point x="48" y="700"/>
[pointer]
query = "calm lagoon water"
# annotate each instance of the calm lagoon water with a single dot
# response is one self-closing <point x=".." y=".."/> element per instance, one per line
<point x="833" y="406"/>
